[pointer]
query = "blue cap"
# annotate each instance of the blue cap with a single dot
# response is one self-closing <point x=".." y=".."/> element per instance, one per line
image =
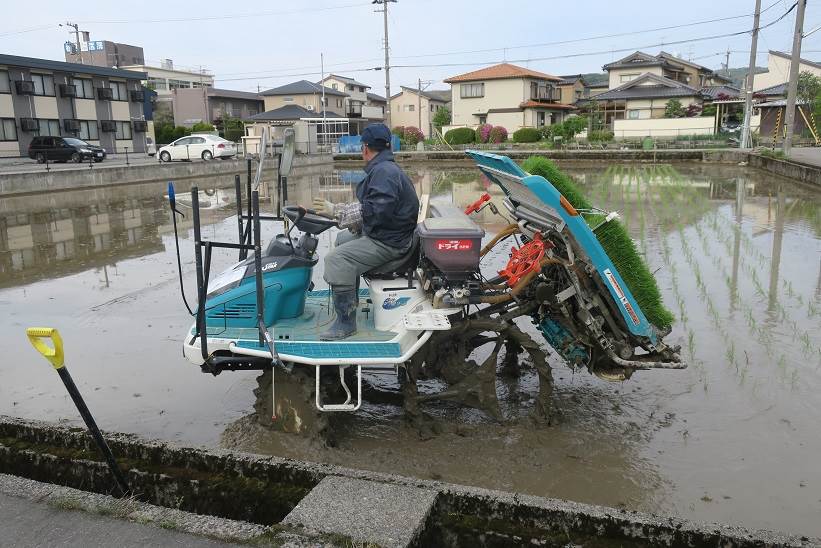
<point x="377" y="136"/>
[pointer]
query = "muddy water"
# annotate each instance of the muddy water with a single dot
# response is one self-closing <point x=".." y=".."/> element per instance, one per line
<point x="733" y="438"/>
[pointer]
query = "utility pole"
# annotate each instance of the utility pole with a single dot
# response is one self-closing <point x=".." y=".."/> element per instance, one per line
<point x="76" y="28"/>
<point x="324" y="106"/>
<point x="746" y="141"/>
<point x="727" y="62"/>
<point x="792" y="89"/>
<point x="384" y="10"/>
<point x="419" y="97"/>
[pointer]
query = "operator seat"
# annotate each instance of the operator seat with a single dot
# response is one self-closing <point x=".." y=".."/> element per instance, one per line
<point x="400" y="267"/>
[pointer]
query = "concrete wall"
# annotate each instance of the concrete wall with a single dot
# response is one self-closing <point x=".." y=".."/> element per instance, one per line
<point x="42" y="181"/>
<point x="664" y="127"/>
<point x="271" y="490"/>
<point x="189" y="104"/>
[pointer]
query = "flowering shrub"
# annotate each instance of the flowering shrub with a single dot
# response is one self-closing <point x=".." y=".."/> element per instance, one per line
<point x="483" y="133"/>
<point x="497" y="135"/>
<point x="693" y="110"/>
<point x="412" y="135"/>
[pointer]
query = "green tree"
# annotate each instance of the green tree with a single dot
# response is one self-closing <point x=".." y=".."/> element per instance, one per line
<point x="809" y="87"/>
<point x="442" y="117"/>
<point x="674" y="109"/>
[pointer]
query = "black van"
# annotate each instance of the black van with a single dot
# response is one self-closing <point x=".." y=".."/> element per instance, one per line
<point x="63" y="149"/>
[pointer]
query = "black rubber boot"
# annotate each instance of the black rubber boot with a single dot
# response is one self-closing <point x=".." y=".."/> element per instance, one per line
<point x="345" y="304"/>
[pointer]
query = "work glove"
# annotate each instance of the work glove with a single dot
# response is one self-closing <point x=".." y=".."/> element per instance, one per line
<point x="323" y="208"/>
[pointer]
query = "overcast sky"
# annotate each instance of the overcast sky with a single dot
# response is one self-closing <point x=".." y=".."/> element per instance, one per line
<point x="279" y="42"/>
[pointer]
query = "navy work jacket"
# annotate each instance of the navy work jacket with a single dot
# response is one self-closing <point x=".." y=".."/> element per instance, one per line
<point x="389" y="204"/>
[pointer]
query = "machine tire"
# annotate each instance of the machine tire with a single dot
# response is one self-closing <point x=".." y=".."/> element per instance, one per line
<point x="165" y="156"/>
<point x="76" y="157"/>
<point x="207" y="155"/>
<point x="40" y="158"/>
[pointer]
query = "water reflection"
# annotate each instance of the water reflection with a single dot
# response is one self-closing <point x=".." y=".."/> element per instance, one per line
<point x="44" y="236"/>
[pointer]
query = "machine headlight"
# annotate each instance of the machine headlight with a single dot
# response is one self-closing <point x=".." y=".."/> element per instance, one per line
<point x="85" y="150"/>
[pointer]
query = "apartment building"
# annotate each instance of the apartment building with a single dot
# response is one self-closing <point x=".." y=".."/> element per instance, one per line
<point x="101" y="105"/>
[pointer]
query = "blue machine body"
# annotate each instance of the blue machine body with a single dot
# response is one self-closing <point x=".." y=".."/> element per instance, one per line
<point x="233" y="303"/>
<point x="634" y="319"/>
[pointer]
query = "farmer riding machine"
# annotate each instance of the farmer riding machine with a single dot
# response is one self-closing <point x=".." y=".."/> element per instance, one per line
<point x="429" y="314"/>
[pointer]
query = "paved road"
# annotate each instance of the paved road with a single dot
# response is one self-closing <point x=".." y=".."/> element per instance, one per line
<point x="807" y="155"/>
<point x="24" y="523"/>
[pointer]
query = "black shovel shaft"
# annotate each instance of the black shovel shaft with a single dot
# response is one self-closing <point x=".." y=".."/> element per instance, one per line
<point x="122" y="485"/>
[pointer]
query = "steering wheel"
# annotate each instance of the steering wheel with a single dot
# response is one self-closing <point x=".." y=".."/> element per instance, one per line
<point x="307" y="220"/>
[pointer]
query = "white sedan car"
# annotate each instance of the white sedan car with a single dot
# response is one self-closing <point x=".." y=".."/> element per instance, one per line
<point x="205" y="146"/>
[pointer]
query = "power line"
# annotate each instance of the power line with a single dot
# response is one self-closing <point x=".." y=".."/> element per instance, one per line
<point x="530" y="59"/>
<point x="223" y="17"/>
<point x="443" y="65"/>
<point x="32" y="29"/>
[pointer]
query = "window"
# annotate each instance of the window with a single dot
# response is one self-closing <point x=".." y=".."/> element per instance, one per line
<point x="627" y="77"/>
<point x="88" y="130"/>
<point x="175" y="84"/>
<point x="411" y="108"/>
<point x="123" y="130"/>
<point x="8" y="131"/>
<point x="5" y="85"/>
<point x="156" y="83"/>
<point x="349" y="87"/>
<point x="201" y="85"/>
<point x="334" y="86"/>
<point x="48" y="127"/>
<point x="43" y="84"/>
<point x="287" y="99"/>
<point x="84" y="88"/>
<point x="633" y="114"/>
<point x="119" y="92"/>
<point x="197" y="140"/>
<point x="472" y="90"/>
<point x="362" y="89"/>
<point x="339" y="102"/>
<point x="543" y="91"/>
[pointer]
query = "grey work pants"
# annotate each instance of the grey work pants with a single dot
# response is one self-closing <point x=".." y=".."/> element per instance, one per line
<point x="354" y="255"/>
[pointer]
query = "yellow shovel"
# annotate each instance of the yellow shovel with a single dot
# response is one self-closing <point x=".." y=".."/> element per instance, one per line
<point x="54" y="354"/>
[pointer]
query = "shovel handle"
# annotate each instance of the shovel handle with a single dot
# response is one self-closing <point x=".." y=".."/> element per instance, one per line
<point x="53" y="353"/>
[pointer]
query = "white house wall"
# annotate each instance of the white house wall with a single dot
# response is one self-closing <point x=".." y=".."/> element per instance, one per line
<point x="507" y="93"/>
<point x="616" y="74"/>
<point x="778" y="72"/>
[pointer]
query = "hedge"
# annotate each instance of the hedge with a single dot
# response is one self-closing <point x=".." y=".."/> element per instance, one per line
<point x="527" y="135"/>
<point x="460" y="136"/>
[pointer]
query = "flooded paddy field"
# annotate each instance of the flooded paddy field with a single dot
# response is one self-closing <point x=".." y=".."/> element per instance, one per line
<point x="734" y="438"/>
